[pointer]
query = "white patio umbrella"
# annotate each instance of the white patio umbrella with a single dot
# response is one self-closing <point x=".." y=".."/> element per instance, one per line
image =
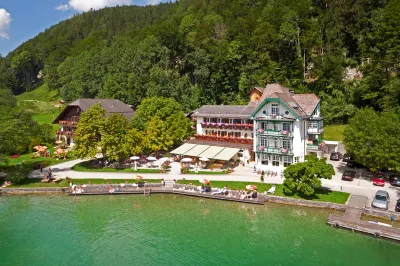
<point x="151" y="158"/>
<point x="135" y="158"/>
<point x="204" y="159"/>
<point x="186" y="160"/>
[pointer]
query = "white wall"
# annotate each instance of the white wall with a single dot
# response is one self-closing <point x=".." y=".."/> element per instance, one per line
<point x="298" y="138"/>
<point x="267" y="107"/>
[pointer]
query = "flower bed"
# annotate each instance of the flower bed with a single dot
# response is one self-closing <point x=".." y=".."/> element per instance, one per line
<point x="227" y="125"/>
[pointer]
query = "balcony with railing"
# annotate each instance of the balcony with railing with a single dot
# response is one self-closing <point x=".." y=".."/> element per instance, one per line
<point x="270" y="132"/>
<point x="67" y="123"/>
<point x="266" y="149"/>
<point x="315" y="130"/>
<point x="227" y="126"/>
<point x="224" y="139"/>
<point x="315" y="145"/>
<point x="65" y="133"/>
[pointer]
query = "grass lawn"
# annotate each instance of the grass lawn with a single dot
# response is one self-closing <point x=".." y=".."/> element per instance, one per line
<point x="47" y="118"/>
<point x="321" y="195"/>
<point x="41" y="93"/>
<point x="334" y="132"/>
<point x="207" y="173"/>
<point x="86" y="167"/>
<point x="27" y="158"/>
<point x="64" y="183"/>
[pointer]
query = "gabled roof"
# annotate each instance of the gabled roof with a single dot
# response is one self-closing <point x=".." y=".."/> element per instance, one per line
<point x="307" y="102"/>
<point x="229" y="111"/>
<point x="300" y="109"/>
<point x="112" y="106"/>
<point x="259" y="89"/>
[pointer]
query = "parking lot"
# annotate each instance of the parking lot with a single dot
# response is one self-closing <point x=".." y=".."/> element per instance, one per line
<point x="362" y="184"/>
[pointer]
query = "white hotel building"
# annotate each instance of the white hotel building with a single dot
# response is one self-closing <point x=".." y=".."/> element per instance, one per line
<point x="277" y="128"/>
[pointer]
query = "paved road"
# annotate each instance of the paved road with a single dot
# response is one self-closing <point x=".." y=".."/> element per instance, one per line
<point x="360" y="186"/>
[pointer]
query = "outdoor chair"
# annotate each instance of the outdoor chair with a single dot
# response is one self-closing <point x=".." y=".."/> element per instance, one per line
<point x="271" y="190"/>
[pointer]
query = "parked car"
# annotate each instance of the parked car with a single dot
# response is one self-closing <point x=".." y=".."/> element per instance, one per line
<point x="348" y="175"/>
<point x="354" y="164"/>
<point x="394" y="180"/>
<point x="381" y="200"/>
<point x="336" y="156"/>
<point x="378" y="180"/>
<point x="347" y="157"/>
<point x="397" y="208"/>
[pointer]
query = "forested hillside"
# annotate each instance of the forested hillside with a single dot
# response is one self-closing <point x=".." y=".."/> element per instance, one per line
<point x="214" y="51"/>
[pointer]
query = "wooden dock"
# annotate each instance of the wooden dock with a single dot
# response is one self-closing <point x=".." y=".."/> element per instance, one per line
<point x="163" y="190"/>
<point x="351" y="220"/>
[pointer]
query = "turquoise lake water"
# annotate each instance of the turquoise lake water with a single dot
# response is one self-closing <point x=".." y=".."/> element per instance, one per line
<point x="176" y="230"/>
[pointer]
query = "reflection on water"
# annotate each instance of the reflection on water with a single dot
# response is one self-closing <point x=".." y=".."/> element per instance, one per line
<point x="175" y="230"/>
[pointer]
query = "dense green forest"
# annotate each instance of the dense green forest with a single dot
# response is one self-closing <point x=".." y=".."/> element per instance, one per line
<point x="213" y="51"/>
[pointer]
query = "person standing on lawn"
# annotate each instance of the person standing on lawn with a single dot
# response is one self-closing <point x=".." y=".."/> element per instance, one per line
<point x="41" y="167"/>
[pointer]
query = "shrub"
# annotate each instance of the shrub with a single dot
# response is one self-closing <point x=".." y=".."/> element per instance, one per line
<point x="184" y="170"/>
<point x="19" y="173"/>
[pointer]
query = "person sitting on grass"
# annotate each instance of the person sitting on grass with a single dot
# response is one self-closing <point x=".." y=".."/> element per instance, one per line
<point x="6" y="184"/>
<point x="111" y="189"/>
<point x="243" y="194"/>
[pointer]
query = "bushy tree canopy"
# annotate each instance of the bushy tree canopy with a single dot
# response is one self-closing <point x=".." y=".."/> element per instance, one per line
<point x="212" y="52"/>
<point x="305" y="177"/>
<point x="115" y="139"/>
<point x="373" y="139"/>
<point x="18" y="132"/>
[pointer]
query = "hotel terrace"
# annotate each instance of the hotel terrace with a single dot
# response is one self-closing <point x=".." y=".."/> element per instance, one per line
<point x="275" y="129"/>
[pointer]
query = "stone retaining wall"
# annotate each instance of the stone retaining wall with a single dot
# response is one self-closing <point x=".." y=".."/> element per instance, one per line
<point x="307" y="203"/>
<point x="381" y="213"/>
<point x="39" y="190"/>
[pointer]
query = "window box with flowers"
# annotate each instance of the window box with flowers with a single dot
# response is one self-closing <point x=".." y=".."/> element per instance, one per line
<point x="260" y="130"/>
<point x="261" y="148"/>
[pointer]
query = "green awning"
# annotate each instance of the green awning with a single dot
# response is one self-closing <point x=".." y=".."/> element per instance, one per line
<point x="183" y="148"/>
<point x="211" y="152"/>
<point x="197" y="150"/>
<point x="226" y="154"/>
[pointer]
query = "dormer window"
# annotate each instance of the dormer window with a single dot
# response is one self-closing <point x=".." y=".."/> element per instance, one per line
<point x="275" y="109"/>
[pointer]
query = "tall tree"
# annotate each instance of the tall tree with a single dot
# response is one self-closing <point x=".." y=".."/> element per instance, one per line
<point x="113" y="137"/>
<point x="156" y="137"/>
<point x="373" y="139"/>
<point x="155" y="107"/>
<point x="88" y="132"/>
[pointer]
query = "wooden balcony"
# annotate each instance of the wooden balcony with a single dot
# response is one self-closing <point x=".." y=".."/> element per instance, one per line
<point x="224" y="139"/>
<point x="227" y="126"/>
<point x="67" y="123"/>
<point x="65" y="133"/>
<point x="274" y="150"/>
<point x="280" y="133"/>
